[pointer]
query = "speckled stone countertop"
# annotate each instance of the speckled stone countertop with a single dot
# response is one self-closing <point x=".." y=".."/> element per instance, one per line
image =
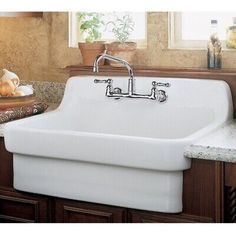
<point x="51" y="92"/>
<point x="220" y="145"/>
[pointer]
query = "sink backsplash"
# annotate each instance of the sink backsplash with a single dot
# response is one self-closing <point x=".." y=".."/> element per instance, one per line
<point x="50" y="92"/>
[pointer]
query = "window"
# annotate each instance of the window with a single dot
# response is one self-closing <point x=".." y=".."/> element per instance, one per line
<point x="138" y="34"/>
<point x="192" y="29"/>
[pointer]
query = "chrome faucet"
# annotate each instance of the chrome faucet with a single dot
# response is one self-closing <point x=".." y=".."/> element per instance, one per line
<point x="116" y="59"/>
<point x="159" y="95"/>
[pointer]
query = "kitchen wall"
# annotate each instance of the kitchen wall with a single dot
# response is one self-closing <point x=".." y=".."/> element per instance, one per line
<point x="37" y="48"/>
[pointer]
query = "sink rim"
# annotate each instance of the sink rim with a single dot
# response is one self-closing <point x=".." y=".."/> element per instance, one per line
<point x="20" y="125"/>
<point x="131" y="143"/>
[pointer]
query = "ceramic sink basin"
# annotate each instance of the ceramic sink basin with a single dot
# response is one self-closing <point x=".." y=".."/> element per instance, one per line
<point x="126" y="152"/>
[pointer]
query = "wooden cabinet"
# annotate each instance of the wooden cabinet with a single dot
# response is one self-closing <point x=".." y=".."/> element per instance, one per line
<point x="203" y="190"/>
<point x="230" y="192"/>
<point x="16" y="207"/>
<point x="135" y="216"/>
<point x="67" y="211"/>
<point x="6" y="167"/>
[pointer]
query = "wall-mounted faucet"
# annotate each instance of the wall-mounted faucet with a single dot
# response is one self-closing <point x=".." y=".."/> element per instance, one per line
<point x="159" y="95"/>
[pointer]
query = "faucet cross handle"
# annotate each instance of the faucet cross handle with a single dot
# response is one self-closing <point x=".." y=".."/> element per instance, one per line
<point x="159" y="84"/>
<point x="105" y="81"/>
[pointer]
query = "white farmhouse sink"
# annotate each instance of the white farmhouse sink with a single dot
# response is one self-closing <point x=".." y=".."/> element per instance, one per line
<point x="126" y="152"/>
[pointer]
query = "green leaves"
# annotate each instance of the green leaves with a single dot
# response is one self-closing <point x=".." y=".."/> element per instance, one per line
<point x="122" y="27"/>
<point x="90" y="25"/>
<point x="92" y="22"/>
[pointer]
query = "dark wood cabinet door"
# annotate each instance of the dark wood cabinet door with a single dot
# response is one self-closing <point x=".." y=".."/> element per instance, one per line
<point x="136" y="216"/>
<point x="17" y="207"/>
<point x="230" y="174"/>
<point x="230" y="192"/>
<point x="6" y="166"/>
<point x="203" y="190"/>
<point x="67" y="211"/>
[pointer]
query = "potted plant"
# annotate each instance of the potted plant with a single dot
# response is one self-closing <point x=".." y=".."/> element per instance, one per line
<point x="121" y="27"/>
<point x="90" y="29"/>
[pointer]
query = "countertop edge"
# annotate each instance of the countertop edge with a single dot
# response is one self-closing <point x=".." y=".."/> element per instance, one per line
<point x="220" y="145"/>
<point x="210" y="153"/>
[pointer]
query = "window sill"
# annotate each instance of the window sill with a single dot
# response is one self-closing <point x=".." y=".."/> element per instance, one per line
<point x="196" y="49"/>
<point x="154" y="71"/>
<point x="139" y="46"/>
<point x="21" y="14"/>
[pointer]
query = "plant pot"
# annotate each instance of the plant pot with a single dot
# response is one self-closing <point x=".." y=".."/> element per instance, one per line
<point x="123" y="50"/>
<point x="90" y="50"/>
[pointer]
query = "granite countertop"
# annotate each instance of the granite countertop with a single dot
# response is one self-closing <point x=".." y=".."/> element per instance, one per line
<point x="220" y="145"/>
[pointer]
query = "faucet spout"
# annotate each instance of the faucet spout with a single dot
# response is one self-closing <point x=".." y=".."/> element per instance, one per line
<point x="95" y="63"/>
<point x="123" y="62"/>
<point x="111" y="58"/>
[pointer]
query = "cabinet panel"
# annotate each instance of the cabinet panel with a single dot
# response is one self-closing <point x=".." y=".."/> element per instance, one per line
<point x="6" y="166"/>
<point x="230" y="192"/>
<point x="67" y="211"/>
<point x="19" y="207"/>
<point x="135" y="216"/>
<point x="230" y="174"/>
<point x="203" y="190"/>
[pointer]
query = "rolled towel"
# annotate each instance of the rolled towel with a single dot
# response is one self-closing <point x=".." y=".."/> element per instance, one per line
<point x="22" y="112"/>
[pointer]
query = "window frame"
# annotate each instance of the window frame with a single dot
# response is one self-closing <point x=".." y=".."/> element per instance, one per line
<point x="175" y="40"/>
<point x="74" y="33"/>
